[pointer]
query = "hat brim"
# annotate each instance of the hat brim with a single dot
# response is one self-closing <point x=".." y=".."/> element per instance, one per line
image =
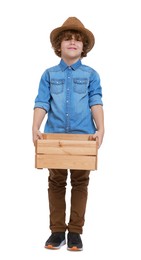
<point x="86" y="32"/>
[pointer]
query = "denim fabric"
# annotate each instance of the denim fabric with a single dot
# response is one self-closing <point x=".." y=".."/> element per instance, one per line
<point x="67" y="94"/>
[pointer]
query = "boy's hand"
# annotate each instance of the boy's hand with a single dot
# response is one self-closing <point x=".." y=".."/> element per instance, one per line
<point x="36" y="135"/>
<point x="99" y="136"/>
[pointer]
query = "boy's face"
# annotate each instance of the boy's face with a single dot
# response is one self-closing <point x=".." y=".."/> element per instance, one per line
<point x="71" y="47"/>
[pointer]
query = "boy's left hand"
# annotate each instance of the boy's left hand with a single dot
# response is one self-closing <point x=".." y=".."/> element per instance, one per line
<point x="99" y="136"/>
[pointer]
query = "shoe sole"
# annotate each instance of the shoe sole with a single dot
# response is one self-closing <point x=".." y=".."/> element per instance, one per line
<point x="55" y="247"/>
<point x="74" y="248"/>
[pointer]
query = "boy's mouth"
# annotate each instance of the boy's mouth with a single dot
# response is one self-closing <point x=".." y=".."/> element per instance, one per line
<point x="72" y="48"/>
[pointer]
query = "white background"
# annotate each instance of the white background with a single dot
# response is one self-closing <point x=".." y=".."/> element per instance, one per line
<point x="113" y="219"/>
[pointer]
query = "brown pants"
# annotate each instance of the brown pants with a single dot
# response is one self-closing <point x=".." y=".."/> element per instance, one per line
<point x="56" y="193"/>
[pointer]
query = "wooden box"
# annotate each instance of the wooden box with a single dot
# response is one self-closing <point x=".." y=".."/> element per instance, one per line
<point x="66" y="151"/>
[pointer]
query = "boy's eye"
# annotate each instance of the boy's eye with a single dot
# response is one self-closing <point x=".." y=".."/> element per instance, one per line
<point x="79" y="39"/>
<point x="67" y="38"/>
<point x="76" y="38"/>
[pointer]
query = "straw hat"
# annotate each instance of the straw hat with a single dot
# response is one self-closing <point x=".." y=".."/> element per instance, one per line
<point x="72" y="23"/>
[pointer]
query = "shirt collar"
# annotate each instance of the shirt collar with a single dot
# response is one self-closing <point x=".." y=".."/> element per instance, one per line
<point x="74" y="66"/>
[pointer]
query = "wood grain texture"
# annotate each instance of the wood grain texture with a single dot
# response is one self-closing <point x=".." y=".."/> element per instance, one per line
<point x="66" y="151"/>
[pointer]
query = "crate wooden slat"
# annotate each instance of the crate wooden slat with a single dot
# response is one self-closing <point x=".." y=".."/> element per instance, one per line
<point x="66" y="151"/>
<point x="67" y="147"/>
<point x="77" y="137"/>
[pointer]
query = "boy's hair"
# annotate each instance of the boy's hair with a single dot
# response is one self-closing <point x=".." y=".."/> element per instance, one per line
<point x="79" y="36"/>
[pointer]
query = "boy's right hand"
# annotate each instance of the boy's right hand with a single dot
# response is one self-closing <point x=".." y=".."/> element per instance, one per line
<point x="36" y="135"/>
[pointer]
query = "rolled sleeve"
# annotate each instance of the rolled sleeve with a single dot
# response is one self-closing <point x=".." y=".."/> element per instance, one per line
<point x="44" y="106"/>
<point x="95" y="90"/>
<point x="43" y="98"/>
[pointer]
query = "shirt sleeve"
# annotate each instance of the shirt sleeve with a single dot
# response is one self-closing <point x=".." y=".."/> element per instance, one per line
<point x="43" y="98"/>
<point x="95" y="90"/>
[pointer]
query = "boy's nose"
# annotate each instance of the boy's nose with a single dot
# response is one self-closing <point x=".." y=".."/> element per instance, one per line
<point x="72" y="40"/>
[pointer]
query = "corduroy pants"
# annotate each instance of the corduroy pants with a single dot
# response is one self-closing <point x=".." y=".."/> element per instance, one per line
<point x="57" y="182"/>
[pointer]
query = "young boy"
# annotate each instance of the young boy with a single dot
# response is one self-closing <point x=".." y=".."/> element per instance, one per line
<point x="71" y="95"/>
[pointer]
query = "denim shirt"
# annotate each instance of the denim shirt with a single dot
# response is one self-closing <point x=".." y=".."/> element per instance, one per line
<point x="67" y="93"/>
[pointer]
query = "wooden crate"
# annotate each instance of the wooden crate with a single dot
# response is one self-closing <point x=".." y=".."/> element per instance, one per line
<point x="66" y="151"/>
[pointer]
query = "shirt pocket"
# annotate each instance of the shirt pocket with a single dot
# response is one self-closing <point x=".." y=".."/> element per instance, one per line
<point x="80" y="85"/>
<point x="56" y="86"/>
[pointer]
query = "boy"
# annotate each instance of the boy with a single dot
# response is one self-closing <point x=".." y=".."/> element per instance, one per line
<point x="71" y="95"/>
